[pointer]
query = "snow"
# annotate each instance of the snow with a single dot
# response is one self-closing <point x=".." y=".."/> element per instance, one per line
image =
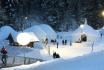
<point x="5" y="31"/>
<point x="91" y="34"/>
<point x="77" y="49"/>
<point x="64" y="35"/>
<point x="38" y="45"/>
<point x="78" y="56"/>
<point x="33" y="37"/>
<point x="21" y="51"/>
<point x="93" y="61"/>
<point x="51" y="34"/>
<point x="42" y="31"/>
<point x="14" y="35"/>
<point x="101" y="31"/>
<point x="72" y="57"/>
<point x="38" y="32"/>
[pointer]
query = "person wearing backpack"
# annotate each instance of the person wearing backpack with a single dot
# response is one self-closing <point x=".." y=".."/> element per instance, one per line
<point x="4" y="55"/>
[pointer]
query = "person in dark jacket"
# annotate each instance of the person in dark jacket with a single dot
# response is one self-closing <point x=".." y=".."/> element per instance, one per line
<point x="56" y="55"/>
<point x="65" y="42"/>
<point x="4" y="55"/>
<point x="46" y="41"/>
<point x="57" y="44"/>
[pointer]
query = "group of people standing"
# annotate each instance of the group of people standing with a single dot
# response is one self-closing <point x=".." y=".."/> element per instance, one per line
<point x="64" y="42"/>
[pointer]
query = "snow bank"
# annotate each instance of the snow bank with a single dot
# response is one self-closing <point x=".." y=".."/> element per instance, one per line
<point x="89" y="62"/>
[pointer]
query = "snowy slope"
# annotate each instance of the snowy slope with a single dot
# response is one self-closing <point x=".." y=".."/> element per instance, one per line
<point x="93" y="61"/>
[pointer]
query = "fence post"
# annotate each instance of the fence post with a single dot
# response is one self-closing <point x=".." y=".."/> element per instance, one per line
<point x="13" y="60"/>
<point x="29" y="61"/>
<point x="24" y="60"/>
<point x="92" y="48"/>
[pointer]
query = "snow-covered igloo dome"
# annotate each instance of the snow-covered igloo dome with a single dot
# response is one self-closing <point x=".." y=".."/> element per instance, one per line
<point x="85" y="32"/>
<point x="38" y="32"/>
<point x="51" y="34"/>
<point x="5" y="31"/>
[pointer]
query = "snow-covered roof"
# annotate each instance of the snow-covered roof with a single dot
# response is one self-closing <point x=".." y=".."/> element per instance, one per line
<point x="51" y="34"/>
<point x="14" y="35"/>
<point x="5" y="31"/>
<point x="37" y="31"/>
<point x="88" y="30"/>
<point x="33" y="37"/>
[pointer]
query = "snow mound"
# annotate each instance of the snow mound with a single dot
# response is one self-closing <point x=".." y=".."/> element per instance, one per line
<point x="51" y="34"/>
<point x="92" y="35"/>
<point x="5" y="31"/>
<point x="38" y="32"/>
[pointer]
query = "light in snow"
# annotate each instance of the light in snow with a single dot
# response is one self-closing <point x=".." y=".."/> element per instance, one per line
<point x="82" y="26"/>
<point x="23" y="38"/>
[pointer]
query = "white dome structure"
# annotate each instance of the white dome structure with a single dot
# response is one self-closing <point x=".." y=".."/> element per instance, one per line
<point x="33" y="37"/>
<point x="38" y="32"/>
<point x="85" y="31"/>
<point x="51" y="34"/>
<point x="5" y="31"/>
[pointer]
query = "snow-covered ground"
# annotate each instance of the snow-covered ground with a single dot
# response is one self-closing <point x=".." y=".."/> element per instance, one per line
<point x="76" y="49"/>
<point x="78" y="56"/>
<point x="93" y="61"/>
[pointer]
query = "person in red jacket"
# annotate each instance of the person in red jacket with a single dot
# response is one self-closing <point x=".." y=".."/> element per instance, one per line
<point x="4" y="55"/>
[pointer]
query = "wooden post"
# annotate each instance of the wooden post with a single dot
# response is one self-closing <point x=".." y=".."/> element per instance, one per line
<point x="29" y="61"/>
<point x="92" y="47"/>
<point x="24" y="60"/>
<point x="13" y="60"/>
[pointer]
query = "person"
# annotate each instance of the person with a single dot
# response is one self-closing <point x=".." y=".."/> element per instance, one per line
<point x="57" y="55"/>
<point x="54" y="55"/>
<point x="65" y="42"/>
<point x="101" y="35"/>
<point x="57" y="44"/>
<point x="4" y="55"/>
<point x="55" y="41"/>
<point x="70" y="43"/>
<point x="46" y="41"/>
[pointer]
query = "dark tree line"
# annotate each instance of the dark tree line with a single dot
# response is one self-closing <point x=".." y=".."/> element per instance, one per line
<point x="60" y="14"/>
